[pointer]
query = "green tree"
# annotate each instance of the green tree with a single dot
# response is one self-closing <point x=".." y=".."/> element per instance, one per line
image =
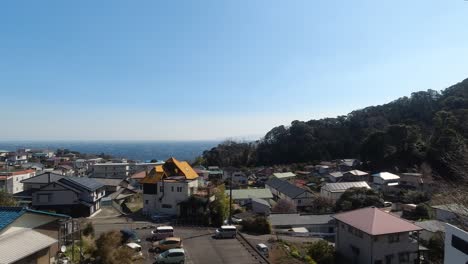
<point x="219" y="208"/>
<point x="355" y="198"/>
<point x="7" y="199"/>
<point x="109" y="249"/>
<point x="88" y="230"/>
<point x="321" y="252"/>
<point x="436" y="248"/>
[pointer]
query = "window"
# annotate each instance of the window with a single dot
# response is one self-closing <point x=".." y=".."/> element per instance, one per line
<point x="161" y="188"/>
<point x="166" y="206"/>
<point x="299" y="201"/>
<point x="460" y="244"/>
<point x="403" y="257"/>
<point x="146" y="201"/>
<point x="388" y="259"/>
<point x="394" y="238"/>
<point x="356" y="251"/>
<point x="172" y="188"/>
<point x="179" y="189"/>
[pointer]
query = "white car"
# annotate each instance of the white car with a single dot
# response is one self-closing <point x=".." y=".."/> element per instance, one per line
<point x="175" y="255"/>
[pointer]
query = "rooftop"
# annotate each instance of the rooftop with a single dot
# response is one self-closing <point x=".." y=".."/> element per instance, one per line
<point x="358" y="172"/>
<point x="298" y="219"/>
<point x="250" y="193"/>
<point x="386" y="176"/>
<point x="285" y="187"/>
<point x="89" y="184"/>
<point x="45" y="177"/>
<point x="8" y="214"/>
<point x="283" y="175"/>
<point x="454" y="208"/>
<point x="343" y="186"/>
<point x="431" y="225"/>
<point x="374" y="221"/>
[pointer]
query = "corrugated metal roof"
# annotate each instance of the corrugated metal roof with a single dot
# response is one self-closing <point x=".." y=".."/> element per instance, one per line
<point x="343" y="186"/>
<point x="299" y="220"/>
<point x="357" y="172"/>
<point x="44" y="178"/>
<point x="375" y="222"/>
<point x="281" y="175"/>
<point x="260" y="201"/>
<point x="285" y="187"/>
<point x="249" y="193"/>
<point x="18" y="245"/>
<point x="83" y="182"/>
<point x="9" y="214"/>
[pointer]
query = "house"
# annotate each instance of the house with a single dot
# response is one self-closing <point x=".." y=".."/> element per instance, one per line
<point x="385" y="180"/>
<point x="110" y="170"/>
<point x="348" y="164"/>
<point x="29" y="236"/>
<point x="430" y="228"/>
<point x="322" y="169"/>
<point x="136" y="178"/>
<point x="284" y="175"/>
<point x="372" y="236"/>
<point x="38" y="167"/>
<point x="316" y="224"/>
<point x="237" y="177"/>
<point x="74" y="196"/>
<point x="335" y="176"/>
<point x="260" y="206"/>
<point x="10" y="181"/>
<point x="456" y="245"/>
<point x="111" y="185"/>
<point x="285" y="190"/>
<point x="16" y="158"/>
<point x="167" y="185"/>
<point x="333" y="191"/>
<point x="243" y="196"/>
<point x="451" y="213"/>
<point x="65" y="170"/>
<point x="355" y="175"/>
<point x="215" y="173"/>
<point x="415" y="181"/>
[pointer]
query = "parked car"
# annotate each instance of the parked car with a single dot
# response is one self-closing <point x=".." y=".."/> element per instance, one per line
<point x="226" y="231"/>
<point x="262" y="248"/>
<point x="129" y="235"/>
<point x="175" y="255"/>
<point x="159" y="218"/>
<point x="167" y="243"/>
<point x="162" y="232"/>
<point x="136" y="249"/>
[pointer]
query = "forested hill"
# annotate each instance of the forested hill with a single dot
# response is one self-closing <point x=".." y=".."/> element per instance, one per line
<point x="428" y="127"/>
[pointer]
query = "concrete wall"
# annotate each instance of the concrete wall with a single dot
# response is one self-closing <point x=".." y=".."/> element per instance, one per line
<point x="452" y="254"/>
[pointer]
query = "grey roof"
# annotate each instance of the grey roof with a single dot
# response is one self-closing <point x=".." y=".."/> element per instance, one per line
<point x="299" y="220"/>
<point x="282" y="175"/>
<point x="454" y="208"/>
<point x="343" y="186"/>
<point x="431" y="225"/>
<point x="82" y="183"/>
<point x="261" y="201"/>
<point x="336" y="174"/>
<point x="44" y="178"/>
<point x="250" y="193"/>
<point x="285" y="187"/>
<point x="20" y="244"/>
<point x="108" y="181"/>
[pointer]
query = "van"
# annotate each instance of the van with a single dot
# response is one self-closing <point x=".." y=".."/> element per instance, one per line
<point x="226" y="231"/>
<point x="137" y="254"/>
<point x="162" y="232"/>
<point x="175" y="255"/>
<point x="263" y="249"/>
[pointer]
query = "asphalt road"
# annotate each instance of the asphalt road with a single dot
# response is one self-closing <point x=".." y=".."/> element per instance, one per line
<point x="199" y="245"/>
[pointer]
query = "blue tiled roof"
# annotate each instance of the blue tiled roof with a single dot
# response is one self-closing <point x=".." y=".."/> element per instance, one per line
<point x="9" y="214"/>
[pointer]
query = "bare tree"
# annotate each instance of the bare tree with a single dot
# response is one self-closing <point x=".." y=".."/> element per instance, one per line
<point x="284" y="206"/>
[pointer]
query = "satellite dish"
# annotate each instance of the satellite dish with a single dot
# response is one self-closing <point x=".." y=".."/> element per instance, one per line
<point x="63" y="249"/>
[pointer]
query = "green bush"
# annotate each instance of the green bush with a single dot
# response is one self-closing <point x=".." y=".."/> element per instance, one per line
<point x="88" y="230"/>
<point x="322" y="252"/>
<point x="257" y="225"/>
<point x="309" y="260"/>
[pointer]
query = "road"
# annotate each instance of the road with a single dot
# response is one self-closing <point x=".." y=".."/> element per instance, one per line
<point x="198" y="243"/>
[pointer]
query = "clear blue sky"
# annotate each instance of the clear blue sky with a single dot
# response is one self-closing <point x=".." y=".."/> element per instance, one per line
<point x="215" y="69"/>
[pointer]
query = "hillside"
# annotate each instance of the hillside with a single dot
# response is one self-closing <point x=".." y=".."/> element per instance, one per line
<point x="429" y="127"/>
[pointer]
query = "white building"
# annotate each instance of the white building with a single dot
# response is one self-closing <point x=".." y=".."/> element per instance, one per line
<point x="456" y="245"/>
<point x="166" y="186"/>
<point x="384" y="180"/>
<point x="10" y="181"/>
<point x="333" y="191"/>
<point x="238" y="177"/>
<point x="120" y="170"/>
<point x="14" y="158"/>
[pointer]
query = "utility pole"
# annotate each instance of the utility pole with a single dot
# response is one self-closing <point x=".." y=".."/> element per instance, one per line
<point x="230" y="200"/>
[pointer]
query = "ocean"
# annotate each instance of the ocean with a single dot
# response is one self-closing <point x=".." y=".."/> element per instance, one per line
<point x="135" y="150"/>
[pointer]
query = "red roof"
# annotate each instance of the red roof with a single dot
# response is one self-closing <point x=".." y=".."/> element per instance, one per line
<point x="14" y="173"/>
<point x="374" y="221"/>
<point x="139" y="175"/>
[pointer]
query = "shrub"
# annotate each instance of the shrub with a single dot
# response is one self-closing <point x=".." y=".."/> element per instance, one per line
<point x="258" y="225"/>
<point x="88" y="230"/>
<point x="322" y="252"/>
<point x="309" y="260"/>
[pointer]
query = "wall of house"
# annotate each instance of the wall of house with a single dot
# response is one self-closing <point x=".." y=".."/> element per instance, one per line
<point x="17" y="184"/>
<point x="167" y="201"/>
<point x="334" y="196"/>
<point x="57" y="197"/>
<point x="111" y="170"/>
<point x="456" y="245"/>
<point x="373" y="248"/>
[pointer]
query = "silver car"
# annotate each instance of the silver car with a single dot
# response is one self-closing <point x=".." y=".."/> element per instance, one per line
<point x="175" y="255"/>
